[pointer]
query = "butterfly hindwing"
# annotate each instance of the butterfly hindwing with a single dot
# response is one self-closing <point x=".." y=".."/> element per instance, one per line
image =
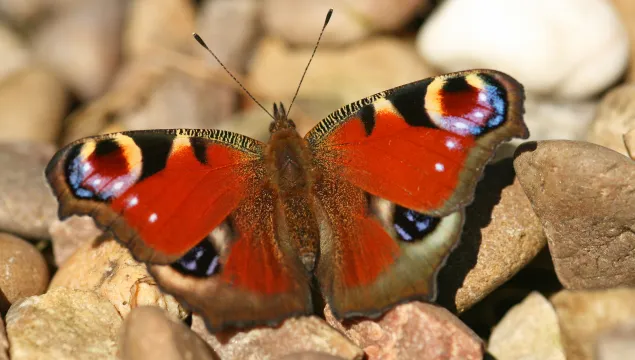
<point x="421" y="148"/>
<point x="260" y="279"/>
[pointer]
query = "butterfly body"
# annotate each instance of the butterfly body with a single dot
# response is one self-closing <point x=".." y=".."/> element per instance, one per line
<point x="367" y="205"/>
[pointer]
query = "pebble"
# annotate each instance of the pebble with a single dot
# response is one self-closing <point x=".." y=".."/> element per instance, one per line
<point x="617" y="343"/>
<point x="614" y="117"/>
<point x="4" y="343"/>
<point x="104" y="266"/>
<point x="584" y="196"/>
<point x="501" y="236"/>
<point x="23" y="271"/>
<point x="33" y="103"/>
<point x="292" y="336"/>
<point x="585" y="315"/>
<point x="413" y="330"/>
<point x="528" y="331"/>
<point x="550" y="119"/>
<point x="300" y="22"/>
<point x="626" y="11"/>
<point x="551" y="59"/>
<point x="232" y="47"/>
<point x="85" y="57"/>
<point x="149" y="333"/>
<point x="27" y="206"/>
<point x="15" y="53"/>
<point x="276" y="70"/>
<point x="158" y="24"/>
<point x="63" y="324"/>
<point x="310" y="355"/>
<point x="70" y="234"/>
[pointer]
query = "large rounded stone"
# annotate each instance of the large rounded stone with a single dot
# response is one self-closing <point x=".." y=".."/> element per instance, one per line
<point x="584" y="195"/>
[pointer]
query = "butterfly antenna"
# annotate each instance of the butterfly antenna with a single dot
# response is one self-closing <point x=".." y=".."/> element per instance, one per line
<point x="203" y="44"/>
<point x="326" y="22"/>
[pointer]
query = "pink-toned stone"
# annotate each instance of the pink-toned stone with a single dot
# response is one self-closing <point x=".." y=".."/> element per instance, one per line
<point x="413" y="330"/>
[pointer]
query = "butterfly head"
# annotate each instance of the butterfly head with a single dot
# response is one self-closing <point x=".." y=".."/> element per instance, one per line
<point x="280" y="119"/>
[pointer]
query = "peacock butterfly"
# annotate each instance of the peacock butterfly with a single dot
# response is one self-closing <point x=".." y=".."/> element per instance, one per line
<point x="367" y="205"/>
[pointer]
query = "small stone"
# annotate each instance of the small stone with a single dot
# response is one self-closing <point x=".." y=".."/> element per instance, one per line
<point x="629" y="142"/>
<point x="158" y="24"/>
<point x="413" y="330"/>
<point x="85" y="57"/>
<point x="584" y="315"/>
<point x="617" y="343"/>
<point x="276" y="70"/>
<point x="4" y="343"/>
<point x="309" y="355"/>
<point x="299" y="22"/>
<point x="529" y="331"/>
<point x="626" y="11"/>
<point x="501" y="235"/>
<point x="27" y="206"/>
<point x="63" y="324"/>
<point x="148" y="333"/>
<point x="615" y="116"/>
<point x="232" y="47"/>
<point x="33" y="103"/>
<point x="24" y="271"/>
<point x="68" y="235"/>
<point x="15" y="54"/>
<point x="551" y="59"/>
<point x="171" y="91"/>
<point x="584" y="196"/>
<point x="292" y="336"/>
<point x="550" y="119"/>
<point x="104" y="266"/>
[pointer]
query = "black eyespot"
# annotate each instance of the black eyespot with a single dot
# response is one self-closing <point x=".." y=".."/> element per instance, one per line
<point x="201" y="261"/>
<point x="411" y="225"/>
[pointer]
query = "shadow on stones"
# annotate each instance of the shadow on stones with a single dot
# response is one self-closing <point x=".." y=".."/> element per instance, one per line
<point x="496" y="177"/>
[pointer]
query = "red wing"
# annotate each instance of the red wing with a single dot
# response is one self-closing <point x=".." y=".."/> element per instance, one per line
<point x="160" y="192"/>
<point x="254" y="278"/>
<point x="375" y="254"/>
<point x="422" y="145"/>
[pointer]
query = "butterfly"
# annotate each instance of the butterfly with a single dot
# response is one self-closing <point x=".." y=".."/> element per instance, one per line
<point x="363" y="210"/>
<point x="367" y="205"/>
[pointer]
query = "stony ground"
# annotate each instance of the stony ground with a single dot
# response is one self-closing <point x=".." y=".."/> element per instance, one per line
<point x="546" y="266"/>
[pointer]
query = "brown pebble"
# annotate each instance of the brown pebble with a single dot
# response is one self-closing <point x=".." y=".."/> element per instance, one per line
<point x="23" y="272"/>
<point x="584" y="195"/>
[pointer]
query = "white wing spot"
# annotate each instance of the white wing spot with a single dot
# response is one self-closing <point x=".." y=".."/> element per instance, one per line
<point x="133" y="201"/>
<point x="482" y="97"/>
<point x="96" y="182"/>
<point x="439" y="167"/>
<point x="153" y="217"/>
<point x="450" y="144"/>
<point x="86" y="167"/>
<point x="478" y="114"/>
<point x="118" y="185"/>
